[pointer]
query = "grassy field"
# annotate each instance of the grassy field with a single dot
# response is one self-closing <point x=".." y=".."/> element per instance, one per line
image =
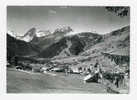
<point x="22" y="82"/>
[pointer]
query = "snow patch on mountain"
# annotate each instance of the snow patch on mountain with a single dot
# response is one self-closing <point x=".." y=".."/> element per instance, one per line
<point x="43" y="33"/>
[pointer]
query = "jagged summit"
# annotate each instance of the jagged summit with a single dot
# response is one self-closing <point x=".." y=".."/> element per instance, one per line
<point x="29" y="35"/>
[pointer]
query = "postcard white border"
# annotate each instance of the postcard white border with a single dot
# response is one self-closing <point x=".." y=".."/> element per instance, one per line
<point x="133" y="50"/>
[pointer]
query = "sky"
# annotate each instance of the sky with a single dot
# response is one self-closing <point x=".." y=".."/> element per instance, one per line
<point x="81" y="19"/>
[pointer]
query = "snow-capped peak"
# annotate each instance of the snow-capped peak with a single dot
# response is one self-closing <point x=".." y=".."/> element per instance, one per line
<point x="29" y="35"/>
<point x="11" y="33"/>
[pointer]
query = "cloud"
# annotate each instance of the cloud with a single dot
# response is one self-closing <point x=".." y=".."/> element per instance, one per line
<point x="52" y="12"/>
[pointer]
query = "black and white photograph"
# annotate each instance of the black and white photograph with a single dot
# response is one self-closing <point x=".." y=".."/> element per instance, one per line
<point x="68" y="49"/>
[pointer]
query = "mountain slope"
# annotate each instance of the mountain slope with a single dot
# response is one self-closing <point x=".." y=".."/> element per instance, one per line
<point x="50" y="38"/>
<point x="18" y="47"/>
<point x="117" y="42"/>
<point x="71" y="45"/>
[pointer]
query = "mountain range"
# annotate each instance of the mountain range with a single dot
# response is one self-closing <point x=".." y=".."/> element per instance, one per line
<point x="60" y="45"/>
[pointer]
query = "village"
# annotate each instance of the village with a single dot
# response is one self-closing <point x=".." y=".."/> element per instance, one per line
<point x="115" y="80"/>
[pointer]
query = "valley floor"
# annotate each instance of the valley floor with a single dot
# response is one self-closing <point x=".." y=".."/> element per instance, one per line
<point x="22" y="82"/>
